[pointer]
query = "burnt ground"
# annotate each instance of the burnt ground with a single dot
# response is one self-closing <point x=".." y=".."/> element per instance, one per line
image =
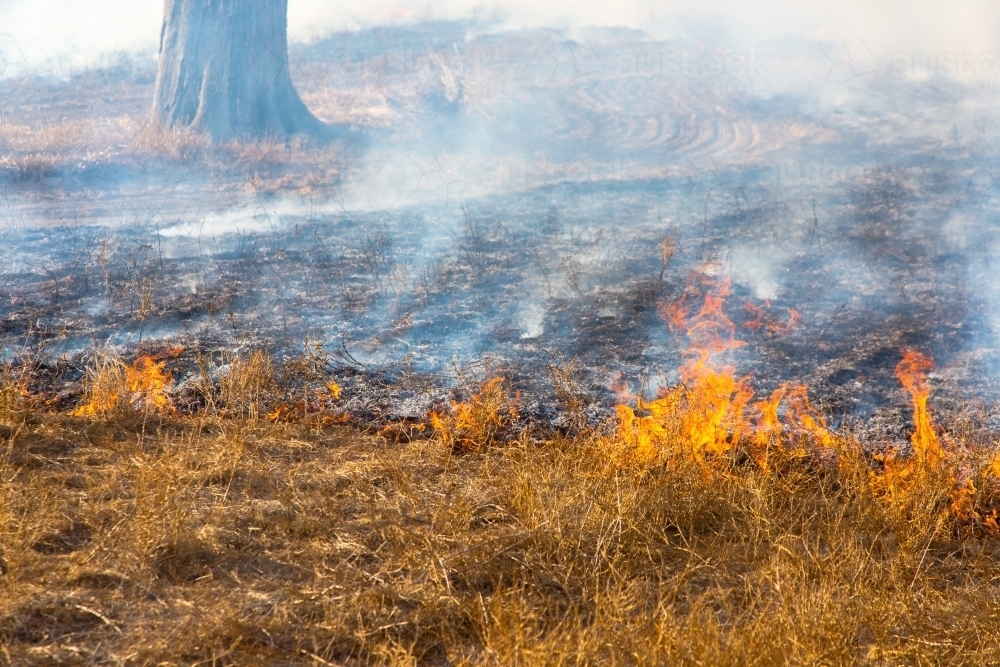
<point x="506" y="296"/>
<point x="515" y="228"/>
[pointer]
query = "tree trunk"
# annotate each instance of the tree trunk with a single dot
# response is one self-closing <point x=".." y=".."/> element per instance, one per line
<point x="224" y="70"/>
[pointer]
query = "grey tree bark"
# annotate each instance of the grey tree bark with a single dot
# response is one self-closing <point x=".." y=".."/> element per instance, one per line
<point x="223" y="70"/>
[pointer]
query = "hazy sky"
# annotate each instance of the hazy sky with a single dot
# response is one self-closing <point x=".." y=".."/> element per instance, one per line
<point x="59" y="34"/>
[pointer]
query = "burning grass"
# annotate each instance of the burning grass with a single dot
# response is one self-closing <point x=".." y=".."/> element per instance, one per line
<point x="702" y="527"/>
<point x="195" y="542"/>
<point x="114" y="388"/>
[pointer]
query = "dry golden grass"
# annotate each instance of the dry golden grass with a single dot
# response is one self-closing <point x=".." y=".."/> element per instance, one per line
<point x="244" y="385"/>
<point x="222" y="538"/>
<point x="33" y="153"/>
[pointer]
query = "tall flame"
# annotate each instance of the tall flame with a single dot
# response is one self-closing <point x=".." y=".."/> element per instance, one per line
<point x="705" y="414"/>
<point x="912" y="373"/>
<point x="768" y="429"/>
<point x="676" y="313"/>
<point x="802" y="416"/>
<point x="148" y="382"/>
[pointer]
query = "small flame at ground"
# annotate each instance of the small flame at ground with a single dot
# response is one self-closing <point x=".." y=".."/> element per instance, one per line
<point x="149" y="383"/>
<point x="115" y="386"/>
<point x="480" y="421"/>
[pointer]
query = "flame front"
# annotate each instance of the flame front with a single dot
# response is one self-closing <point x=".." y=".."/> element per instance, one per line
<point x="710" y="412"/>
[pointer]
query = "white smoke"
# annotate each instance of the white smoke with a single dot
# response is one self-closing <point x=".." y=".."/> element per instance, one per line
<point x="58" y="36"/>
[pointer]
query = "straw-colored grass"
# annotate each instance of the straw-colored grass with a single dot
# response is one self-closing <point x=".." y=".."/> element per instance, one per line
<point x="223" y="538"/>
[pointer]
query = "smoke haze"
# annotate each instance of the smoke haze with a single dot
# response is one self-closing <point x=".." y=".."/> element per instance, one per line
<point x="59" y="35"/>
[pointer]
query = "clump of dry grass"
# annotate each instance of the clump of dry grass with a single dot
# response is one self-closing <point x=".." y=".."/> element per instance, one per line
<point x="261" y="167"/>
<point x="115" y="389"/>
<point x="486" y="418"/>
<point x="245" y="383"/>
<point x="221" y="536"/>
<point x="62" y="143"/>
<point x="275" y="543"/>
<point x="14" y="394"/>
<point x="35" y="150"/>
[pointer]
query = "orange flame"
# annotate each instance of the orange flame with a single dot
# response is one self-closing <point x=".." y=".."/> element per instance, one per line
<point x="146" y="380"/>
<point x="801" y="415"/>
<point x="619" y="385"/>
<point x="762" y="319"/>
<point x="899" y="476"/>
<point x="758" y="315"/>
<point x="646" y="434"/>
<point x="769" y="424"/>
<point x="912" y="373"/>
<point x="675" y="314"/>
<point x="794" y="321"/>
<point x="710" y="330"/>
<point x="314" y="402"/>
<point x="963" y="502"/>
<point x="114" y="386"/>
<point x="714" y="400"/>
<point x="706" y="416"/>
<point x="479" y="421"/>
<point x="334" y="390"/>
<point x="768" y="428"/>
<point x="707" y="409"/>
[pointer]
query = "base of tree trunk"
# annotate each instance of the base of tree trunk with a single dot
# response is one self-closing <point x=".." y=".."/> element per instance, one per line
<point x="223" y="70"/>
